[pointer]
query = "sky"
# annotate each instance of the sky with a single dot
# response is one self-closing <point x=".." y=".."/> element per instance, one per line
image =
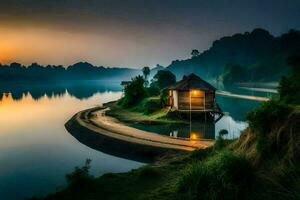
<point x="130" y="33"/>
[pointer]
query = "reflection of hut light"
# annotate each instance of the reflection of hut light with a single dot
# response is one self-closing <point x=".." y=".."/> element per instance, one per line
<point x="193" y="136"/>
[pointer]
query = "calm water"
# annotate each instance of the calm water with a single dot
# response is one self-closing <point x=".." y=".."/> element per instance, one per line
<point x="36" y="151"/>
<point x="233" y="121"/>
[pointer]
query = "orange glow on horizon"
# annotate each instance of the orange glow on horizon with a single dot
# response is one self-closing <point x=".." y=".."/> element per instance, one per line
<point x="6" y="52"/>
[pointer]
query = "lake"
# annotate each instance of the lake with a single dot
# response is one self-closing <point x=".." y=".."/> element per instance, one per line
<point x="36" y="151"/>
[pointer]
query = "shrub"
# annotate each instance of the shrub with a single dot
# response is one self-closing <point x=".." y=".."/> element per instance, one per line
<point x="80" y="176"/>
<point x="265" y="119"/>
<point x="225" y="176"/>
<point x="269" y="113"/>
<point x="164" y="97"/>
<point x="134" y="92"/>
<point x="201" y="154"/>
<point x="153" y="90"/>
<point x="289" y="86"/>
<point x="148" y="172"/>
<point x="151" y="105"/>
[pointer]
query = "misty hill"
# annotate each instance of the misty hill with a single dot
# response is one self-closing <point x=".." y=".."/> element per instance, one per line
<point x="258" y="55"/>
<point x="78" y="71"/>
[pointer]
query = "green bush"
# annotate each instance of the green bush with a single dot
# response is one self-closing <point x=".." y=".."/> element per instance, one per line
<point x="134" y="92"/>
<point x="148" y="172"/>
<point x="153" y="90"/>
<point x="265" y="119"/>
<point x="225" y="176"/>
<point x="267" y="115"/>
<point x="289" y="86"/>
<point x="201" y="154"/>
<point x="148" y="105"/>
<point x="164" y="96"/>
<point x="151" y="105"/>
<point x="80" y="176"/>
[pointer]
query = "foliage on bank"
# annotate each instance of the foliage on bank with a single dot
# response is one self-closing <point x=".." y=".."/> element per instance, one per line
<point x="137" y="91"/>
<point x="262" y="164"/>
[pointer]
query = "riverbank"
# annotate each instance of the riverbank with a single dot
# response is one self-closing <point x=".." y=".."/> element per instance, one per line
<point x="121" y="139"/>
<point x="137" y="114"/>
<point x="240" y="96"/>
<point x="158" y="180"/>
<point x="228" y="170"/>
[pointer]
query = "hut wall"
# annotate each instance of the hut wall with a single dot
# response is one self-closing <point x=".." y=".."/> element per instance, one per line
<point x="209" y="100"/>
<point x="183" y="100"/>
<point x="175" y="99"/>
<point x="200" y="100"/>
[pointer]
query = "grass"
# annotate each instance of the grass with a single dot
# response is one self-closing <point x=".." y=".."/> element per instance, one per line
<point x="228" y="170"/>
<point x="156" y="181"/>
<point x="148" y="111"/>
<point x="226" y="175"/>
<point x="262" y="164"/>
<point x="149" y="182"/>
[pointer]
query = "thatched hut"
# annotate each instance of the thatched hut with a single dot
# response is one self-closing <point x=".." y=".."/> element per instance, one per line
<point x="193" y="94"/>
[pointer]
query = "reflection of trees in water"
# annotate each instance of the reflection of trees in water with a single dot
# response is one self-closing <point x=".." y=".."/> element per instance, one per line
<point x="80" y="90"/>
<point x="237" y="108"/>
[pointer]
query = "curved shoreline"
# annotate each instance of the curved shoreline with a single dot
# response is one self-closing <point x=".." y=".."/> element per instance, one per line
<point x="93" y="128"/>
<point x="241" y="96"/>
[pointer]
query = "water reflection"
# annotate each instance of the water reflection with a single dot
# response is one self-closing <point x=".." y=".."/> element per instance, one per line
<point x="197" y="130"/>
<point x="234" y="121"/>
<point x="35" y="149"/>
<point x="79" y="89"/>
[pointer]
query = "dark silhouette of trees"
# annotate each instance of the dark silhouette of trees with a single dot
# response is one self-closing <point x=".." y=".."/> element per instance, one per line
<point x="78" y="71"/>
<point x="163" y="79"/>
<point x="234" y="73"/>
<point x="195" y="53"/>
<point x="258" y="51"/>
<point x="134" y="92"/>
<point x="289" y="86"/>
<point x="146" y="73"/>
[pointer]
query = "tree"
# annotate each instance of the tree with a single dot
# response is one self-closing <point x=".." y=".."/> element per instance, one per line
<point x="146" y="72"/>
<point x="195" y="53"/>
<point x="289" y="86"/>
<point x="234" y="73"/>
<point x="134" y="92"/>
<point x="81" y="175"/>
<point x="162" y="79"/>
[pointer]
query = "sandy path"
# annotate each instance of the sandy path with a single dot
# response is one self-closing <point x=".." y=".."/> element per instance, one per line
<point x="229" y="94"/>
<point x="105" y="125"/>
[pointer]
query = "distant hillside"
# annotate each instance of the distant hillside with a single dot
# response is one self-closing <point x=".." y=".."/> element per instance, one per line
<point x="261" y="55"/>
<point x="78" y="71"/>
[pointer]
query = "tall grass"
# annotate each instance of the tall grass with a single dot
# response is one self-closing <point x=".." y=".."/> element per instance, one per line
<point x="226" y="175"/>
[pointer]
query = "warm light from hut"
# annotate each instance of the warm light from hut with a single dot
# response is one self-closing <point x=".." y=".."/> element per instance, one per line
<point x="195" y="92"/>
<point x="195" y="136"/>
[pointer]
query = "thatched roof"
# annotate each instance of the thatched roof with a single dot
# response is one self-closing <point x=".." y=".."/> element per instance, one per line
<point x="192" y="81"/>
